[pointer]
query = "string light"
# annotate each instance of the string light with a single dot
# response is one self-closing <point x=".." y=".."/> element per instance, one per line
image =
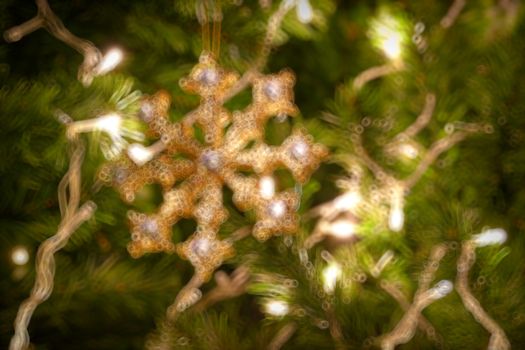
<point x="347" y="201"/>
<point x="139" y="154"/>
<point x="112" y="125"/>
<point x="20" y="255"/>
<point x="305" y="13"/>
<point x="277" y="308"/>
<point x="494" y="236"/>
<point x="408" y="150"/>
<point x="396" y="218"/>
<point x="341" y="228"/>
<point x="109" y="123"/>
<point x="331" y="274"/>
<point x="442" y="289"/>
<point x="267" y="187"/>
<point x="387" y="36"/>
<point x="110" y="60"/>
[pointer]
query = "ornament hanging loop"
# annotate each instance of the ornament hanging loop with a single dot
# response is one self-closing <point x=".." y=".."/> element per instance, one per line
<point x="210" y="11"/>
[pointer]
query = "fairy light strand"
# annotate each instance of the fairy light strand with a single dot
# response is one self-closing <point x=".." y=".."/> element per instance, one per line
<point x="283" y="335"/>
<point x="498" y="339"/>
<point x="376" y="72"/>
<point x="424" y="325"/>
<point x="94" y="62"/>
<point x="393" y="290"/>
<point x="72" y="218"/>
<point x="453" y="13"/>
<point x="424" y="296"/>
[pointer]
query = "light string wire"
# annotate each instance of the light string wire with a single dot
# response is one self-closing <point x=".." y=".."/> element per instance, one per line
<point x="398" y="295"/>
<point x="453" y="13"/>
<point x="47" y="19"/>
<point x="283" y="335"/>
<point x="73" y="216"/>
<point x="457" y="132"/>
<point x="397" y="65"/>
<point x="498" y="339"/>
<point x="206" y="11"/>
<point x="424" y="296"/>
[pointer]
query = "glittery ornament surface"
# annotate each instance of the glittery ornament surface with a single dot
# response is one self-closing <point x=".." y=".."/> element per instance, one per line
<point x="202" y="169"/>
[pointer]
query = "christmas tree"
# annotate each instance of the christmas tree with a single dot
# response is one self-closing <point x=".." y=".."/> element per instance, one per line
<point x="283" y="174"/>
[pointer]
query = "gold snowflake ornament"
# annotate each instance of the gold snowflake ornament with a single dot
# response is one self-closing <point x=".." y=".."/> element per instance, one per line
<point x="202" y="169"/>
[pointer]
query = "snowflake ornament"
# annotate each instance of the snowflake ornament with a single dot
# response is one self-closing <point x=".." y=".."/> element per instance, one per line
<point x="203" y="169"/>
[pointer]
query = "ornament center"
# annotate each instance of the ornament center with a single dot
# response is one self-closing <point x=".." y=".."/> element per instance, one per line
<point x="120" y="175"/>
<point x="150" y="226"/>
<point x="277" y="209"/>
<point x="299" y="150"/>
<point x="211" y="160"/>
<point x="273" y="90"/>
<point x="201" y="247"/>
<point x="209" y="77"/>
<point x="146" y="111"/>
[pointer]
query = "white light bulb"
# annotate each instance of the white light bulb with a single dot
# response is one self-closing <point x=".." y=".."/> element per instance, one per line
<point x="330" y="276"/>
<point x="396" y="219"/>
<point x="490" y="237"/>
<point x="342" y="229"/>
<point x="387" y="36"/>
<point x="347" y="201"/>
<point x="266" y="187"/>
<point x="109" y="123"/>
<point x="305" y="13"/>
<point x="20" y="255"/>
<point x="276" y="308"/>
<point x="110" y="60"/>
<point x="408" y="151"/>
<point x="392" y="46"/>
<point x="139" y="154"/>
<point x="442" y="288"/>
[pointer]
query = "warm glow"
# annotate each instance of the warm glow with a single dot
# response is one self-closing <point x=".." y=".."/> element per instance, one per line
<point x="266" y="187"/>
<point x="347" y="201"/>
<point x="20" y="256"/>
<point x="342" y="228"/>
<point x="109" y="123"/>
<point x="396" y="219"/>
<point x="387" y="35"/>
<point x="305" y="14"/>
<point x="491" y="236"/>
<point x="330" y="275"/>
<point x="392" y="46"/>
<point x="442" y="288"/>
<point x="139" y="154"/>
<point x="276" y="308"/>
<point x="110" y="60"/>
<point x="408" y="150"/>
